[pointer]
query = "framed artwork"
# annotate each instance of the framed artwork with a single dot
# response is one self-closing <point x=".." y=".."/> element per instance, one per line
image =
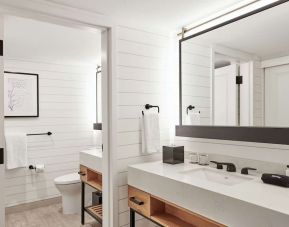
<point x="21" y="94"/>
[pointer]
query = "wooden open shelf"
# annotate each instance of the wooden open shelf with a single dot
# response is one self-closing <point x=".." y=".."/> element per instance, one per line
<point x="92" y="178"/>
<point x="95" y="184"/>
<point x="171" y="215"/>
<point x="95" y="211"/>
<point x="168" y="220"/>
<point x="165" y="213"/>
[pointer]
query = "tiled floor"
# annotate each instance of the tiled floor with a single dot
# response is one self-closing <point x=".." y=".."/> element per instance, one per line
<point x="47" y="216"/>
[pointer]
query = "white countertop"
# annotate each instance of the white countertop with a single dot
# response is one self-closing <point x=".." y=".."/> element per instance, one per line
<point x="91" y="158"/>
<point x="253" y="191"/>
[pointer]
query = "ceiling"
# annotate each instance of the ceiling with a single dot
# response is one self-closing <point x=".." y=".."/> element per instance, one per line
<point x="265" y="34"/>
<point x="40" y="41"/>
<point x="165" y="14"/>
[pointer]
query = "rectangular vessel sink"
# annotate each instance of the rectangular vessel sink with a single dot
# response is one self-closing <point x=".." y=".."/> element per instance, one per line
<point x="216" y="176"/>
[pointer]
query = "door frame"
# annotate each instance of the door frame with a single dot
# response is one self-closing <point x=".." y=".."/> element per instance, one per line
<point x="54" y="13"/>
<point x="2" y="142"/>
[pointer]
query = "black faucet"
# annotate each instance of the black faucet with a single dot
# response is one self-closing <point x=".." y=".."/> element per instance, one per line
<point x="219" y="165"/>
<point x="245" y="170"/>
<point x="230" y="166"/>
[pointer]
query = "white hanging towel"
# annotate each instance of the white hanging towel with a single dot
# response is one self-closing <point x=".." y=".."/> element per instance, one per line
<point x="16" y="149"/>
<point x="150" y="133"/>
<point x="193" y="118"/>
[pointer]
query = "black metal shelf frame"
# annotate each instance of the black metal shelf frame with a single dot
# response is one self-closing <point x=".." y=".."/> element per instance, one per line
<point x="132" y="213"/>
<point x="86" y="209"/>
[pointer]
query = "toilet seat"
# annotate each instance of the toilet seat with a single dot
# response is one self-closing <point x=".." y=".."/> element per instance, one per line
<point x="72" y="178"/>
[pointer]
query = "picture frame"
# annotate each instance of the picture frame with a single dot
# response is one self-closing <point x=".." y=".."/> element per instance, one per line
<point x="21" y="94"/>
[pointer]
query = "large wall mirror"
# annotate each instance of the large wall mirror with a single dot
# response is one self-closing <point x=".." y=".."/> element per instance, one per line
<point x="238" y="74"/>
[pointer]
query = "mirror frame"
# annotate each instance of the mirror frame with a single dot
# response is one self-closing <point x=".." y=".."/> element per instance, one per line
<point x="273" y="135"/>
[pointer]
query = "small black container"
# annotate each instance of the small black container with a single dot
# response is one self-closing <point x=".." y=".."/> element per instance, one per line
<point x="276" y="179"/>
<point x="173" y="154"/>
<point x="96" y="198"/>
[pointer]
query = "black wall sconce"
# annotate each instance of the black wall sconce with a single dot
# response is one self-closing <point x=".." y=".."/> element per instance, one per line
<point x="97" y="126"/>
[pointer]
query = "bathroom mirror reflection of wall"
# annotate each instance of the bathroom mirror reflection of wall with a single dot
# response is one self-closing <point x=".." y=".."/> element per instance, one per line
<point x="238" y="74"/>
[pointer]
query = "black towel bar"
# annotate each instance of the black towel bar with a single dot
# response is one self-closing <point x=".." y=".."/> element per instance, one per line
<point x="190" y="107"/>
<point x="39" y="134"/>
<point x="148" y="106"/>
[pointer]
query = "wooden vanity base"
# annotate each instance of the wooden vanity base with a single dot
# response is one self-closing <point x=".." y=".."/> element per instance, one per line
<point x="93" y="179"/>
<point x="163" y="212"/>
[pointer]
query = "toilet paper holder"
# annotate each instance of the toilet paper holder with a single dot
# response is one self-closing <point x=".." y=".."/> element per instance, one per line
<point x="31" y="167"/>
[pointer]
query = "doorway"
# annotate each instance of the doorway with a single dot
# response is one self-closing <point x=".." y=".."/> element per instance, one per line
<point x="58" y="110"/>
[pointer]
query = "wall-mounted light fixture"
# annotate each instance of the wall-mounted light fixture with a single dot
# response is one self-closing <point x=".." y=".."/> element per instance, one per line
<point x="97" y="126"/>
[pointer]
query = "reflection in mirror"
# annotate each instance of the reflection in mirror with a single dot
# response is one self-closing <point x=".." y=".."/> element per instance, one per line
<point x="238" y="75"/>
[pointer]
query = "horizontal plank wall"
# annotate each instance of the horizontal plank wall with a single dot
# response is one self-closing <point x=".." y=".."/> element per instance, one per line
<point x="144" y="76"/>
<point x="196" y="79"/>
<point x="257" y="95"/>
<point x="67" y="108"/>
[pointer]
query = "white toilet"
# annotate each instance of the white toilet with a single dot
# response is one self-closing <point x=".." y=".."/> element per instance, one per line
<point x="70" y="189"/>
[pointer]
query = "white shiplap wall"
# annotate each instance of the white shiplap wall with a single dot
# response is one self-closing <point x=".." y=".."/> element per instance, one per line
<point x="144" y="76"/>
<point x="196" y="79"/>
<point x="67" y="109"/>
<point x="257" y="97"/>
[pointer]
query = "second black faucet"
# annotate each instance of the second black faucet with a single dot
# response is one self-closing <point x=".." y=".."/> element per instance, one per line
<point x="230" y="166"/>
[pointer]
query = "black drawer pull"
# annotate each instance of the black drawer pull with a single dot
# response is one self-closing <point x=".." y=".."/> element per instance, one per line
<point x="81" y="173"/>
<point x="136" y="201"/>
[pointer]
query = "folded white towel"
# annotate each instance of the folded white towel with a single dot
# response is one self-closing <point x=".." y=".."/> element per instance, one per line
<point x="16" y="149"/>
<point x="150" y="133"/>
<point x="193" y="118"/>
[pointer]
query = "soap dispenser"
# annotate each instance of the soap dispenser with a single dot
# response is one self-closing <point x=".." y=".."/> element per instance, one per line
<point x="287" y="171"/>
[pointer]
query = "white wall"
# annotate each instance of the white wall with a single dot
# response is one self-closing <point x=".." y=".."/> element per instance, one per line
<point x="144" y="76"/>
<point x="67" y="109"/>
<point x="257" y="94"/>
<point x="196" y="79"/>
<point x="49" y="42"/>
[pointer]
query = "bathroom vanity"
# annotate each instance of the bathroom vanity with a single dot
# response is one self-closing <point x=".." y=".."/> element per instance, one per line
<point x="192" y="195"/>
<point x="90" y="174"/>
<point x="163" y="212"/>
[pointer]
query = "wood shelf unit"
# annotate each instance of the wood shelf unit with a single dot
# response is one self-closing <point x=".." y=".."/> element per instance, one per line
<point x="143" y="209"/>
<point x="94" y="179"/>
<point x="165" y="213"/>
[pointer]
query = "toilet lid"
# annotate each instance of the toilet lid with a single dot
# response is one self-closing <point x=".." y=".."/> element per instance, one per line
<point x="71" y="178"/>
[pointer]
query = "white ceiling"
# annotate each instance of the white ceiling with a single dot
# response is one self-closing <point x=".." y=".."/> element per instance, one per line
<point x="265" y="34"/>
<point x="41" y="41"/>
<point x="165" y="14"/>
